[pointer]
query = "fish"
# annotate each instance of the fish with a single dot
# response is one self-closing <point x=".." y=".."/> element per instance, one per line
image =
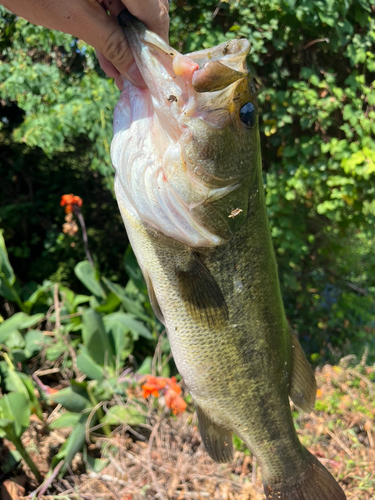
<point x="188" y="182"/>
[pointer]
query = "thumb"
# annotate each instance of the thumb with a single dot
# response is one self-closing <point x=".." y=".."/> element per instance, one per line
<point x="111" y="42"/>
<point x="103" y="32"/>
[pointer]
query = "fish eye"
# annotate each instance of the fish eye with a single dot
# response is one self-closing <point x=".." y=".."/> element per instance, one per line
<point x="248" y="115"/>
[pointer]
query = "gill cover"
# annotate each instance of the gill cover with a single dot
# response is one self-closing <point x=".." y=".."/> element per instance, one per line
<point x="156" y="176"/>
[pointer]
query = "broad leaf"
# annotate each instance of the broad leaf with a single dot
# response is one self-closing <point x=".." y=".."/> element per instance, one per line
<point x="128" y="322"/>
<point x="88" y="366"/>
<point x="6" y="270"/>
<point x="15" y="408"/>
<point x="67" y="419"/>
<point x="86" y="273"/>
<point x="12" y="324"/>
<point x="123" y="415"/>
<point x="95" y="338"/>
<point x="71" y="400"/>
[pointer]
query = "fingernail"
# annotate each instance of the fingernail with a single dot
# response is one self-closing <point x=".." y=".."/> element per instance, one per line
<point x="134" y="75"/>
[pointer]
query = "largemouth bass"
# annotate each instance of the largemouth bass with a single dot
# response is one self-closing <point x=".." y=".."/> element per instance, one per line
<point x="189" y="187"/>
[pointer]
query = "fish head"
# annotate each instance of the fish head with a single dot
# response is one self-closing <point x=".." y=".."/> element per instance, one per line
<point x="204" y="128"/>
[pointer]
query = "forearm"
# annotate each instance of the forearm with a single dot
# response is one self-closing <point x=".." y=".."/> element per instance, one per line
<point x="90" y="21"/>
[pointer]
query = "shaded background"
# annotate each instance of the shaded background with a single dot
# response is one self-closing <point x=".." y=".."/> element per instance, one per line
<point x="314" y="65"/>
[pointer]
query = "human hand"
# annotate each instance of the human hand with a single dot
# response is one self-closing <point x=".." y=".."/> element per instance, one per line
<point x="90" y="21"/>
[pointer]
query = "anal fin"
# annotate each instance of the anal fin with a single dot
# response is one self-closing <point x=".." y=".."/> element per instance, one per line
<point x="217" y="440"/>
<point x="302" y="384"/>
<point x="202" y="295"/>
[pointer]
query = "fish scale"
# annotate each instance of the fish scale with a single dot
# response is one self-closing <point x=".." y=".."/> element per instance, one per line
<point x="218" y="294"/>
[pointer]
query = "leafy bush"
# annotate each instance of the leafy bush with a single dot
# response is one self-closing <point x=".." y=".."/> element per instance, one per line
<point x="90" y="337"/>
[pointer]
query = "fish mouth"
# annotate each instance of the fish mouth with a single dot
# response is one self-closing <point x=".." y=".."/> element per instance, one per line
<point x="200" y="85"/>
<point x="181" y="78"/>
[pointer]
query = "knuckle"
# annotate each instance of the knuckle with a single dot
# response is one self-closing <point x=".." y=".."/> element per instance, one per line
<point x="164" y="11"/>
<point x="116" y="50"/>
<point x="163" y="16"/>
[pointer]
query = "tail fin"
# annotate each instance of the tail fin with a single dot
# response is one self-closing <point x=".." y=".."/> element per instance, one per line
<point x="316" y="483"/>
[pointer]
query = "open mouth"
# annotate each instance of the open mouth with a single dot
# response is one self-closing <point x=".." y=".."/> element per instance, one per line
<point x="208" y="70"/>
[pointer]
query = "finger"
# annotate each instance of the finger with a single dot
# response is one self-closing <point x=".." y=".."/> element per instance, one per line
<point x="110" y="70"/>
<point x="106" y="65"/>
<point x="103" y="32"/>
<point x="154" y="13"/>
<point x="119" y="81"/>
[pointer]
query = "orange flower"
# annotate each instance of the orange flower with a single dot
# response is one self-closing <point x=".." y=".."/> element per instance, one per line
<point x="174" y="401"/>
<point x="172" y="383"/>
<point x="49" y="390"/>
<point x="171" y="391"/>
<point x="153" y="385"/>
<point x="69" y="201"/>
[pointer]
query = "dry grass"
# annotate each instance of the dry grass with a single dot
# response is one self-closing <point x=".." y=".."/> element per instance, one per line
<point x="170" y="463"/>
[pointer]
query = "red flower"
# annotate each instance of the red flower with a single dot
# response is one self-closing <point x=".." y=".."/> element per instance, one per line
<point x="170" y="389"/>
<point x="70" y="202"/>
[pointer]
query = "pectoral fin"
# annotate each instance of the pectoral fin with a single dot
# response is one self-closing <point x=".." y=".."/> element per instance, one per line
<point x="153" y="300"/>
<point x="217" y="441"/>
<point x="202" y="295"/>
<point x="302" y="384"/>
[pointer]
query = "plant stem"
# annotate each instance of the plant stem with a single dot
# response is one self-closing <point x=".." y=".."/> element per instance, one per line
<point x="84" y="235"/>
<point x="15" y="294"/>
<point x="106" y="428"/>
<point x="22" y="451"/>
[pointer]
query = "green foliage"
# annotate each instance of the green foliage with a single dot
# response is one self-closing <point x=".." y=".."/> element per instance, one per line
<point x="93" y="336"/>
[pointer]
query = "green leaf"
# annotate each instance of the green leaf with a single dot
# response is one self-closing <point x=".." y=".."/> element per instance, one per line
<point x="80" y="299"/>
<point x="13" y="382"/>
<point x="6" y="270"/>
<point x="35" y="406"/>
<point x="71" y="400"/>
<point x="110" y="304"/>
<point x="123" y="415"/>
<point x="15" y="412"/>
<point x="11" y="324"/>
<point x="134" y="271"/>
<point x="86" y="274"/>
<point x="39" y="292"/>
<point x="67" y="419"/>
<point x="130" y="305"/>
<point x="96" y="464"/>
<point x="146" y="366"/>
<point x="30" y="321"/>
<point x="15" y="341"/>
<point x="95" y="338"/>
<point x="74" y="442"/>
<point x="35" y="341"/>
<point x="128" y="323"/>
<point x="17" y="322"/>
<point x="55" y="351"/>
<point x="88" y="366"/>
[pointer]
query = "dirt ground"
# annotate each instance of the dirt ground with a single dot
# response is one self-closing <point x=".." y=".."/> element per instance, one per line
<point x="167" y="460"/>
